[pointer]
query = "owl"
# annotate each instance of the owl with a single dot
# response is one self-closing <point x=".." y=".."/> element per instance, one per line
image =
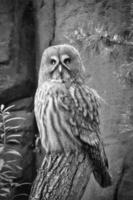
<point x="67" y="110"/>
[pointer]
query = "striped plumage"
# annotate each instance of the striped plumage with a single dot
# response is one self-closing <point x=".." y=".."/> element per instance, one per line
<point x="55" y="131"/>
<point x="66" y="111"/>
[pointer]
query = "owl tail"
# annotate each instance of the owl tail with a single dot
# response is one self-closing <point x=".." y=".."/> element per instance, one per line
<point x="103" y="178"/>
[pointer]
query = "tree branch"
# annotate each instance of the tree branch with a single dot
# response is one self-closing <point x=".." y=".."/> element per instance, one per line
<point x="62" y="177"/>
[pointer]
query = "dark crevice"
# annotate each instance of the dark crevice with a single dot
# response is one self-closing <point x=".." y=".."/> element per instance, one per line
<point x="116" y="191"/>
<point x="54" y="23"/>
<point x="27" y="40"/>
<point x="42" y="4"/>
<point x="6" y="62"/>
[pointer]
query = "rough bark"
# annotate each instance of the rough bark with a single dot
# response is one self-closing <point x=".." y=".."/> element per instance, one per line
<point x="62" y="177"/>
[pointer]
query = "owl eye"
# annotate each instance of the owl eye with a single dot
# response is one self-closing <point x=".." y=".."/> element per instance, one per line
<point x="67" y="61"/>
<point x="52" y="61"/>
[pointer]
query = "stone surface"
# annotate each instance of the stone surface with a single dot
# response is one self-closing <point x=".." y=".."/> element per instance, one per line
<point x="17" y="72"/>
<point x="125" y="184"/>
<point x="6" y="6"/>
<point x="69" y="15"/>
<point x="6" y="26"/>
<point x="45" y="23"/>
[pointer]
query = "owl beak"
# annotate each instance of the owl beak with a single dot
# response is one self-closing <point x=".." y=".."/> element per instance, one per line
<point x="60" y="69"/>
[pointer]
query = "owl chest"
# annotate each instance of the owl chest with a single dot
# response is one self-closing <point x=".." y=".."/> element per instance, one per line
<point x="57" y="132"/>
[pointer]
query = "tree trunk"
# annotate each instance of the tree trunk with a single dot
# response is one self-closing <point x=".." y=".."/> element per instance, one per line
<point x="61" y="177"/>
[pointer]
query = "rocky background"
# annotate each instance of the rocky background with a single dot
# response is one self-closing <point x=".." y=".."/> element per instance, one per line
<point x="27" y="27"/>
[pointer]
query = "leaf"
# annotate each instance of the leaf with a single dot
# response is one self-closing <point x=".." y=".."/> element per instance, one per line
<point x="9" y="175"/>
<point x="2" y="135"/>
<point x="11" y="168"/>
<point x="7" y="128"/>
<point x="2" y="107"/>
<point x="10" y="161"/>
<point x="6" y="189"/>
<point x="8" y="167"/>
<point x="8" y="108"/>
<point x="6" y="113"/>
<point x="13" y="141"/>
<point x="14" y="184"/>
<point x="18" y="167"/>
<point x="1" y="163"/>
<point x="13" y="136"/>
<point x="1" y="124"/>
<point x="21" y="184"/>
<point x="4" y="177"/>
<point x="14" y="152"/>
<point x="1" y="148"/>
<point x="14" y="118"/>
<point x="3" y="195"/>
<point x="5" y="116"/>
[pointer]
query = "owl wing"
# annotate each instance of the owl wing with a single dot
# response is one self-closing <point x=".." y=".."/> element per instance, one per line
<point x="40" y="106"/>
<point x="86" y="117"/>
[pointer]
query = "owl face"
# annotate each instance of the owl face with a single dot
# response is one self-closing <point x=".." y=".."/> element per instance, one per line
<point x="60" y="63"/>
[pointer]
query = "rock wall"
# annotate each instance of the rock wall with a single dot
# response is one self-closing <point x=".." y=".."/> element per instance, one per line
<point x="17" y="86"/>
<point x="63" y="19"/>
<point x="52" y="21"/>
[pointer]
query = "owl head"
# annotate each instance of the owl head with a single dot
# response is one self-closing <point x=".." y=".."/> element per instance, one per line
<point x="60" y="63"/>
